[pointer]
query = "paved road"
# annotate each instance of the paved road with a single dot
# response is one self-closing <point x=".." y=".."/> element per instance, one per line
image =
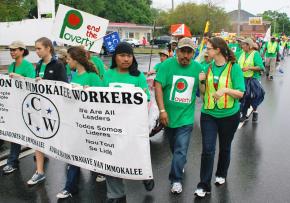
<point x="259" y="171"/>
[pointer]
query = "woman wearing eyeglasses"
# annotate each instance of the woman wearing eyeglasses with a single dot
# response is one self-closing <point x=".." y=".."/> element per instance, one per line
<point x="18" y="69"/>
<point x="223" y="86"/>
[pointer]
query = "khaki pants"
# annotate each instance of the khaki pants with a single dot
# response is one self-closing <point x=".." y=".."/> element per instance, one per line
<point x="270" y="66"/>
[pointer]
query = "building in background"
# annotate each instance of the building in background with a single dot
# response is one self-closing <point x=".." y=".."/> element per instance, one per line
<point x="246" y="29"/>
<point x="131" y="30"/>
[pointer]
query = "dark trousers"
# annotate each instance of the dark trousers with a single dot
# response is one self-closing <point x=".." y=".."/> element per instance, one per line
<point x="225" y="129"/>
<point x="15" y="150"/>
<point x="71" y="184"/>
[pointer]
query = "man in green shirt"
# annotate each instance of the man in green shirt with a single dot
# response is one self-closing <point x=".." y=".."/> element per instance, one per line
<point x="234" y="46"/>
<point x="176" y="84"/>
<point x="271" y="50"/>
<point x="252" y="65"/>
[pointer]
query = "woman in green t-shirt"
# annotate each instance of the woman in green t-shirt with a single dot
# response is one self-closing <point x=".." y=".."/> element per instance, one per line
<point x="18" y="69"/>
<point x="86" y="75"/>
<point x="124" y="72"/>
<point x="223" y="86"/>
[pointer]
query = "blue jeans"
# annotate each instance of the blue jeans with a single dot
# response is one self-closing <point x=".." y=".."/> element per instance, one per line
<point x="178" y="141"/>
<point x="225" y="128"/>
<point x="71" y="184"/>
<point x="115" y="187"/>
<point x="15" y="150"/>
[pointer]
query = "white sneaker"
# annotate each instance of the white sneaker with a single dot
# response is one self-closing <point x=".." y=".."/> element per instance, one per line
<point x="219" y="180"/>
<point x="199" y="192"/>
<point x="36" y="178"/>
<point x="100" y="178"/>
<point x="176" y="188"/>
<point x="63" y="194"/>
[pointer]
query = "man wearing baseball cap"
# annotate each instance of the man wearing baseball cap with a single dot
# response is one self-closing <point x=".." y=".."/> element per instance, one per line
<point x="252" y="65"/>
<point x="164" y="54"/>
<point x="176" y="84"/>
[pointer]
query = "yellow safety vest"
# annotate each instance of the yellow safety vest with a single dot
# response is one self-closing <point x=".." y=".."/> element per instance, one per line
<point x="225" y="81"/>
<point x="271" y="47"/>
<point x="283" y="44"/>
<point x="247" y="62"/>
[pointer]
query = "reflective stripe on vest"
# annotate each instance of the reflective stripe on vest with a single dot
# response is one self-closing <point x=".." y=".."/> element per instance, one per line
<point x="271" y="47"/>
<point x="247" y="62"/>
<point x="225" y="81"/>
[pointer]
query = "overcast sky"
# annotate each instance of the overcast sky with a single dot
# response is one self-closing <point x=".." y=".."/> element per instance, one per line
<point x="252" y="6"/>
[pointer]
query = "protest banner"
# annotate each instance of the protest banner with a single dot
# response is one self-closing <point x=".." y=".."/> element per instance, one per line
<point x="102" y="129"/>
<point x="75" y="27"/>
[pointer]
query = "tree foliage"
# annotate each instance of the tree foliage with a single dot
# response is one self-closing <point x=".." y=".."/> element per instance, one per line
<point x="280" y="21"/>
<point x="195" y="16"/>
<point x="14" y="10"/>
<point x="128" y="11"/>
<point x="114" y="10"/>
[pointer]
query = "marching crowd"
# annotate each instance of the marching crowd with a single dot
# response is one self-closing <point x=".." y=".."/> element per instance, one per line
<point x="226" y="75"/>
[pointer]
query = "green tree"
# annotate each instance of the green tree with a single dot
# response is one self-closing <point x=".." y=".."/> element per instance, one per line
<point x="195" y="16"/>
<point x="128" y="11"/>
<point x="280" y="22"/>
<point x="14" y="10"/>
<point x="94" y="7"/>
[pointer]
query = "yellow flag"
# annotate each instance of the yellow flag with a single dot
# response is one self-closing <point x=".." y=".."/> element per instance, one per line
<point x="206" y="29"/>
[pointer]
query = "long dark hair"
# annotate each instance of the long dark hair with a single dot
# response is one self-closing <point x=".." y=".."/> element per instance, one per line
<point x="220" y="43"/>
<point x="80" y="55"/>
<point x="25" y="52"/>
<point x="126" y="48"/>
<point x="133" y="69"/>
<point x="46" y="43"/>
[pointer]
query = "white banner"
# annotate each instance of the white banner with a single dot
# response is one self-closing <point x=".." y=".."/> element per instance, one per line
<point x="75" y="27"/>
<point x="101" y="129"/>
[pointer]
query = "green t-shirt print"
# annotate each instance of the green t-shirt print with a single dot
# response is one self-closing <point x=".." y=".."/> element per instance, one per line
<point x="179" y="85"/>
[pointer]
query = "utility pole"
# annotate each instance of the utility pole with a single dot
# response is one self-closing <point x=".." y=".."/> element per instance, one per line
<point x="239" y="18"/>
<point x="172" y="5"/>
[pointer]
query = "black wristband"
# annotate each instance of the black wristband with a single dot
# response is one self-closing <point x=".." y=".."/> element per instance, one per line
<point x="202" y="82"/>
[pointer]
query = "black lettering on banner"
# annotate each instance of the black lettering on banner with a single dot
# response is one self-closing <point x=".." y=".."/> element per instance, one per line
<point x="76" y="94"/>
<point x="48" y="89"/>
<point x="93" y="96"/>
<point x="33" y="103"/>
<point x="115" y="95"/>
<point x="41" y="88"/>
<point x="5" y="83"/>
<point x="103" y="96"/>
<point x="48" y="123"/>
<point x="18" y="84"/>
<point x="138" y="98"/>
<point x="126" y="98"/>
<point x="124" y="170"/>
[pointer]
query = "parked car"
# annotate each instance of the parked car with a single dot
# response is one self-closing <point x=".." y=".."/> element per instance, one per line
<point x="161" y="40"/>
<point x="132" y="41"/>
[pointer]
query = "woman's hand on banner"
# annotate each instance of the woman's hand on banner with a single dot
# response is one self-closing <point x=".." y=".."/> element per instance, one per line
<point x="15" y="75"/>
<point x="38" y="79"/>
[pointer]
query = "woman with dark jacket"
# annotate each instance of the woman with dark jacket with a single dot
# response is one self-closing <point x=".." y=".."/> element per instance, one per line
<point x="48" y="68"/>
